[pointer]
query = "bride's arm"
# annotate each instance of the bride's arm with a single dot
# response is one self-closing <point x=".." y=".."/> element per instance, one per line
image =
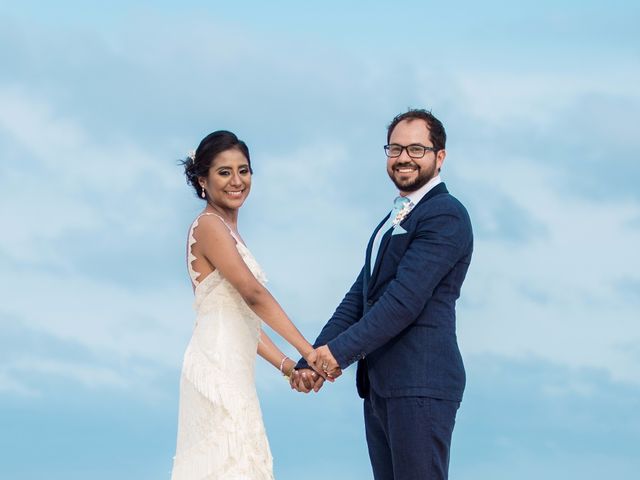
<point x="220" y="250"/>
<point x="272" y="354"/>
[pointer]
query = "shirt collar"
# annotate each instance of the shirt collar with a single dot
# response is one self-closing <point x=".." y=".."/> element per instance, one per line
<point x="416" y="196"/>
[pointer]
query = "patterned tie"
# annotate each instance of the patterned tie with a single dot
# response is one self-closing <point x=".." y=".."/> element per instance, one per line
<point x="398" y="204"/>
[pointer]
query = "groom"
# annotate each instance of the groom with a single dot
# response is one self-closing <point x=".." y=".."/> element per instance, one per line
<point x="398" y="319"/>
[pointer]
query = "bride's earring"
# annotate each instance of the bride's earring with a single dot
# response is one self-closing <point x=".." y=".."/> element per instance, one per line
<point x="203" y="194"/>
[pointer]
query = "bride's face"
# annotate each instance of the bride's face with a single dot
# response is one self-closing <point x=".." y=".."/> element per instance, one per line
<point x="229" y="180"/>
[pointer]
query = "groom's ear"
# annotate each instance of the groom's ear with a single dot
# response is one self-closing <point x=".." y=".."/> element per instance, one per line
<point x="440" y="156"/>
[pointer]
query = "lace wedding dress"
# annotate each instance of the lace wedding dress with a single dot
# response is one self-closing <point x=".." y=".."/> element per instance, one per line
<point x="221" y="434"/>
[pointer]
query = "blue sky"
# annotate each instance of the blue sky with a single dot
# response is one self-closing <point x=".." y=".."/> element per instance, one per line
<point x="540" y="101"/>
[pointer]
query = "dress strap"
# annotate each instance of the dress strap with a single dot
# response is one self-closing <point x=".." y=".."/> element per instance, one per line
<point x="192" y="240"/>
<point x="225" y="224"/>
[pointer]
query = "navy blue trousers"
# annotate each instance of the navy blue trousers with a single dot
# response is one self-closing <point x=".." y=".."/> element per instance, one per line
<point x="409" y="437"/>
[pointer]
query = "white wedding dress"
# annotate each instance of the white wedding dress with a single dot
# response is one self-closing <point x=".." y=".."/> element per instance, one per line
<point x="221" y="435"/>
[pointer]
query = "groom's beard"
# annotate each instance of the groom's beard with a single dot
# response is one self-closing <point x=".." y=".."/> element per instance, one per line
<point x="412" y="184"/>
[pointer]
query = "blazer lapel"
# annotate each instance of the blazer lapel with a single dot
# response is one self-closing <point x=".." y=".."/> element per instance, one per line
<point x="367" y="268"/>
<point x="384" y="241"/>
<point x="437" y="190"/>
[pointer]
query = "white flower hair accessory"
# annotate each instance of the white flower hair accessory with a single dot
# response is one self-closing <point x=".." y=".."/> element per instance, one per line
<point x="191" y="155"/>
<point x="404" y="211"/>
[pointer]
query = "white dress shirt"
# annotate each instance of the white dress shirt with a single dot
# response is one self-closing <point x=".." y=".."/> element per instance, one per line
<point x="414" y="198"/>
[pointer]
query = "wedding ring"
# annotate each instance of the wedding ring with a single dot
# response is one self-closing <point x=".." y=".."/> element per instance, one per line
<point x="325" y="365"/>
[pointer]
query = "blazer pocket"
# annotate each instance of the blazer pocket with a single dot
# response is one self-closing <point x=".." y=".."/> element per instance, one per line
<point x="398" y="230"/>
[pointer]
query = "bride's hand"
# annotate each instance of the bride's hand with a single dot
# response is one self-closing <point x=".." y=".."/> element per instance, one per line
<point x="305" y="380"/>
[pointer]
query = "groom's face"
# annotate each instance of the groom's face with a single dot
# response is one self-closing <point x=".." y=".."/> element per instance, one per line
<point x="407" y="173"/>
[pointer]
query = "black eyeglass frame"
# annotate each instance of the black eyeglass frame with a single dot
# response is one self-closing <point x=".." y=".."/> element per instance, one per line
<point x="407" y="147"/>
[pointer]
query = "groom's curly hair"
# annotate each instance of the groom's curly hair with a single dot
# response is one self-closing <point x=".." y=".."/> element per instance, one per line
<point x="437" y="135"/>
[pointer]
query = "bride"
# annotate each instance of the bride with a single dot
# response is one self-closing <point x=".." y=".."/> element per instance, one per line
<point x="221" y="434"/>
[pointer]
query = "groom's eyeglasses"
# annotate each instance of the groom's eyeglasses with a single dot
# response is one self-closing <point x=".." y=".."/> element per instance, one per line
<point x="394" y="150"/>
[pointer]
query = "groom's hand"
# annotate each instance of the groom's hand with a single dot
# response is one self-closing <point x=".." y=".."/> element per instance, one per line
<point x="326" y="362"/>
<point x="305" y="380"/>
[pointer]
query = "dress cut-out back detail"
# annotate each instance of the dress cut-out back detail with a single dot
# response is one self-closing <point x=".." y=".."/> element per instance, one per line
<point x="221" y="434"/>
<point x="192" y="241"/>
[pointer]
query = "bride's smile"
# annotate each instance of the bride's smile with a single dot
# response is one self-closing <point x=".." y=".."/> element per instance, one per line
<point x="229" y="180"/>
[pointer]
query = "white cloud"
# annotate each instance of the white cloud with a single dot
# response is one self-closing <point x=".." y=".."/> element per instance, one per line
<point x="59" y="179"/>
<point x="88" y="375"/>
<point x="546" y="295"/>
<point x="535" y="98"/>
<point x="114" y="322"/>
<point x="554" y="296"/>
<point x="13" y="386"/>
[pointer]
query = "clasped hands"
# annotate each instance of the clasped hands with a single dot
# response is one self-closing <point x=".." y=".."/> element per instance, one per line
<point x="322" y="366"/>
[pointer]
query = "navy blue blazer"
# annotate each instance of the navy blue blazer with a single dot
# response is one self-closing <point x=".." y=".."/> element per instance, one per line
<point x="399" y="321"/>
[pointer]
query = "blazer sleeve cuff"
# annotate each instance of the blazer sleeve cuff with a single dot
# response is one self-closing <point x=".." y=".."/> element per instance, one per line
<point x="342" y="355"/>
<point x="302" y="363"/>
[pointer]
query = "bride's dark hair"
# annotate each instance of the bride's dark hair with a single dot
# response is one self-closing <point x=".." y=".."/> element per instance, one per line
<point x="198" y="164"/>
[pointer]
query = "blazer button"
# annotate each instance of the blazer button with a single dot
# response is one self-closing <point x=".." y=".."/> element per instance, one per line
<point x="369" y="302"/>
